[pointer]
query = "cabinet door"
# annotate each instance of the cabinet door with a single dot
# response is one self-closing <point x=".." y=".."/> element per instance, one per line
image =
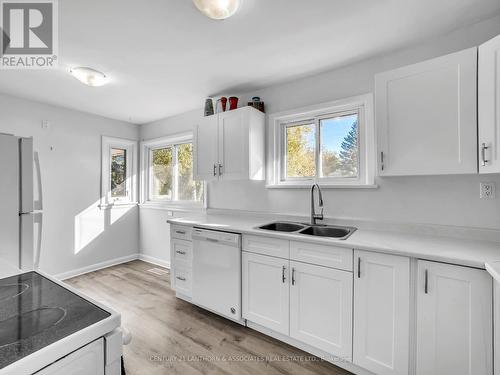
<point x="205" y="149"/>
<point x="88" y="360"/>
<point x="233" y="144"/>
<point x="321" y="308"/>
<point x="426" y="117"/>
<point x="381" y="312"/>
<point x="454" y="320"/>
<point x="266" y="294"/>
<point x="489" y="106"/>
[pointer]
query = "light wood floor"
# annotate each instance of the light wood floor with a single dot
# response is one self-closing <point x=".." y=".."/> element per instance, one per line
<point x="171" y="336"/>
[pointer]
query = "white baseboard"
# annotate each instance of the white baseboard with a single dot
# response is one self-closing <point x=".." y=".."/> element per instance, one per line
<point x="95" y="267"/>
<point x="153" y="260"/>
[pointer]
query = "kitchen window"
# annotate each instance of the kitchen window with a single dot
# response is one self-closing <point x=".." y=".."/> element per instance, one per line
<point x="168" y="172"/>
<point x="331" y="144"/>
<point x="118" y="171"/>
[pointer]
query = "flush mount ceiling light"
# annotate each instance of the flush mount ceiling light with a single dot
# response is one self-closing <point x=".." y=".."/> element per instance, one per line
<point x="89" y="76"/>
<point x="217" y="9"/>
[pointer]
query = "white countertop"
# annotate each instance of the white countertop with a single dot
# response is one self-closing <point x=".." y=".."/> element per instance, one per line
<point x="466" y="252"/>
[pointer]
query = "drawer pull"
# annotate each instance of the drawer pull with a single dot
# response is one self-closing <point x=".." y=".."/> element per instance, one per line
<point x="180" y="252"/>
<point x="180" y="232"/>
<point x="180" y="278"/>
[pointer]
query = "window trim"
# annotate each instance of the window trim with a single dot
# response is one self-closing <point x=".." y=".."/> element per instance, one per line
<point x="362" y="104"/>
<point x="108" y="143"/>
<point x="162" y="142"/>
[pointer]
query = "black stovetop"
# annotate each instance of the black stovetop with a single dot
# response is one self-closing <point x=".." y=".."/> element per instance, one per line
<point x="36" y="312"/>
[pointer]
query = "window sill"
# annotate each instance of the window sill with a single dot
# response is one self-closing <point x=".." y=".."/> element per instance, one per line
<point x="172" y="206"/>
<point x="323" y="186"/>
<point x="107" y="206"/>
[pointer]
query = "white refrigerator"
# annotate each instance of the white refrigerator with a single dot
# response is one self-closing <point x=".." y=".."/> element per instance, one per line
<point x="20" y="204"/>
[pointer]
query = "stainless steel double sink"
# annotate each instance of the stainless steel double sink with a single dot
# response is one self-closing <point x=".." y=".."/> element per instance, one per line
<point x="319" y="230"/>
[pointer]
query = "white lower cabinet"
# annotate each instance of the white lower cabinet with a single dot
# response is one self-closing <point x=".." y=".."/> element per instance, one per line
<point x="266" y="293"/>
<point x="381" y="312"/>
<point x="88" y="360"/>
<point x="321" y="308"/>
<point x="181" y="260"/>
<point x="454" y="320"/>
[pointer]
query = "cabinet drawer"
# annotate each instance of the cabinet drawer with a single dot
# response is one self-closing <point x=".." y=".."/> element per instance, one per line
<point x="322" y="255"/>
<point x="182" y="250"/>
<point x="266" y="246"/>
<point x="182" y="279"/>
<point x="181" y="232"/>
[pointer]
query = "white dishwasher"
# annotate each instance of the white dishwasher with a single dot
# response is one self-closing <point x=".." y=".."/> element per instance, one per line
<point x="217" y="272"/>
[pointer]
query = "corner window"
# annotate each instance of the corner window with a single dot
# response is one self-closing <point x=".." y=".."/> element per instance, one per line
<point x="331" y="144"/>
<point x="168" y="172"/>
<point x="118" y="171"/>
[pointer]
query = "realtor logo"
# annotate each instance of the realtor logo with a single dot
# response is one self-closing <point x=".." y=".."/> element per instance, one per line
<point x="29" y="34"/>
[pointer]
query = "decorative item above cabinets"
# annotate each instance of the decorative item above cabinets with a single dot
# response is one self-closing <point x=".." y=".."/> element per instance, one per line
<point x="230" y="146"/>
<point x="426" y="117"/>
<point x="489" y="106"/>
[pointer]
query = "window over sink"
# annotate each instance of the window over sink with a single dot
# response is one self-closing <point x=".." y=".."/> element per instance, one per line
<point x="167" y="172"/>
<point x="331" y="144"/>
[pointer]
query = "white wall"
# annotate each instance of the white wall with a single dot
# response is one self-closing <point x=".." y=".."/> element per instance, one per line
<point x="70" y="158"/>
<point x="447" y="200"/>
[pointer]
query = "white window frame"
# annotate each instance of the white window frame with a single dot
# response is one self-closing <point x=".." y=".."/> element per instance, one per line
<point x="164" y="142"/>
<point x="278" y="122"/>
<point x="108" y="143"/>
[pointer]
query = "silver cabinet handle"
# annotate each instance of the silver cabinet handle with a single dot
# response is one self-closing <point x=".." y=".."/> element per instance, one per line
<point x="220" y="169"/>
<point x="215" y="169"/>
<point x="382" y="160"/>
<point x="180" y="252"/>
<point x="283" y="278"/>
<point x="426" y="282"/>
<point x="293" y="276"/>
<point x="180" y="232"/>
<point x="181" y="278"/>
<point x="483" y="154"/>
<point x="359" y="267"/>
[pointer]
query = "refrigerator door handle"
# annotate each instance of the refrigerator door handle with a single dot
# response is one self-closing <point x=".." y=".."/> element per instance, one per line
<point x="39" y="203"/>
<point x="38" y="218"/>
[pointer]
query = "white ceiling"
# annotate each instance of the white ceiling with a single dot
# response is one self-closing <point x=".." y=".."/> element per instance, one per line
<point x="164" y="57"/>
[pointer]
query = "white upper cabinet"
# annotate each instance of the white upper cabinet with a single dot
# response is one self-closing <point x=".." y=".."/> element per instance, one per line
<point x="230" y="146"/>
<point x="454" y="320"/>
<point x="205" y="149"/>
<point x="426" y="117"/>
<point x="381" y="313"/>
<point x="321" y="308"/>
<point x="489" y="106"/>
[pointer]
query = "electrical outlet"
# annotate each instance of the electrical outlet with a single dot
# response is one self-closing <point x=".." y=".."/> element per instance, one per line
<point x="45" y="124"/>
<point x="487" y="190"/>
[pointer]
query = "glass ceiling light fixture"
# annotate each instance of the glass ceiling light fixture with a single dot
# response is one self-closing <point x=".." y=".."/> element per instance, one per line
<point x="89" y="76"/>
<point x="217" y="9"/>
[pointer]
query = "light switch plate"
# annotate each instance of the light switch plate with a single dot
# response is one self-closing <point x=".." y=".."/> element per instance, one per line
<point x="487" y="190"/>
